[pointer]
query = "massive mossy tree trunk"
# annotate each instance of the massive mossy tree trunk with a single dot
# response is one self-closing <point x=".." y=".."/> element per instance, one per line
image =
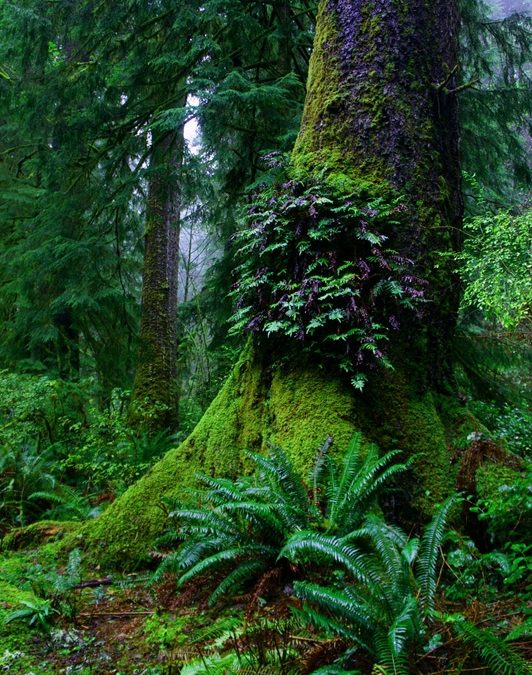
<point x="381" y="109"/>
<point x="155" y="402"/>
<point x="381" y="114"/>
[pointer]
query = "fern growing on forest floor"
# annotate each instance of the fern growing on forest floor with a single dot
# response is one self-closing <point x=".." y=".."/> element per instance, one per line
<point x="494" y="652"/>
<point x="384" y="600"/>
<point x="388" y="593"/>
<point x="25" y="471"/>
<point x="267" y="646"/>
<point x="241" y="525"/>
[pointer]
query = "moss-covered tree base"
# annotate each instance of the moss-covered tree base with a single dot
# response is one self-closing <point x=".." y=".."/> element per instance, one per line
<point x="295" y="407"/>
<point x="37" y="534"/>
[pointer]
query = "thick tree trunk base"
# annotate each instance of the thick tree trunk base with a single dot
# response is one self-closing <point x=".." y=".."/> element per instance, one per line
<point x="296" y="408"/>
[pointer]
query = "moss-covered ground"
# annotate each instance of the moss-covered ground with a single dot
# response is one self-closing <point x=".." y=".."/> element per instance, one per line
<point x="295" y="407"/>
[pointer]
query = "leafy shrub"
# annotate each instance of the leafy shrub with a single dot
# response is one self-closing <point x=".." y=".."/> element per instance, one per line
<point x="496" y="266"/>
<point x="57" y="449"/>
<point x="473" y="575"/>
<point x="39" y="409"/>
<point x="109" y="456"/>
<point x="514" y="425"/>
<point x="510" y="424"/>
<point x="241" y="525"/>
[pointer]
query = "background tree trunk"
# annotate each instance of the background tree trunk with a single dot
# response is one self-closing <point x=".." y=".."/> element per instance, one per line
<point x="155" y="400"/>
<point x="381" y="112"/>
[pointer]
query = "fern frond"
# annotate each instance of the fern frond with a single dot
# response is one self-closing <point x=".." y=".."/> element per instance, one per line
<point x="216" y="629"/>
<point x="289" y="479"/>
<point x="262" y="515"/>
<point x="388" y="661"/>
<point x="363" y="488"/>
<point x="193" y="550"/>
<point x="311" y="546"/>
<point x="348" y="619"/>
<point x="171" y="563"/>
<point x="47" y="496"/>
<point x="404" y="628"/>
<point x="388" y="542"/>
<point x="235" y="579"/>
<point x="350" y="466"/>
<point x="523" y="629"/>
<point x="221" y="489"/>
<point x="213" y="665"/>
<point x="308" y="616"/>
<point x="199" y="521"/>
<point x="292" y="517"/>
<point x="493" y="651"/>
<point x="231" y="555"/>
<point x="410" y="550"/>
<point x="429" y="550"/>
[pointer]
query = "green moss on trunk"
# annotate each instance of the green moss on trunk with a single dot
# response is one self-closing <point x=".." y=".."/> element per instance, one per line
<point x="155" y="393"/>
<point x="377" y="119"/>
<point x="295" y="407"/>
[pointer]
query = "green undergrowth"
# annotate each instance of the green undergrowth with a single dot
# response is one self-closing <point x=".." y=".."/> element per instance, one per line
<point x="16" y="649"/>
<point x="188" y="636"/>
<point x="295" y="407"/>
<point x="12" y="637"/>
<point x="226" y="640"/>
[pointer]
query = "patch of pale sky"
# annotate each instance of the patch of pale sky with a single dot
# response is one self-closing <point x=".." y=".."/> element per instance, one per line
<point x="192" y="134"/>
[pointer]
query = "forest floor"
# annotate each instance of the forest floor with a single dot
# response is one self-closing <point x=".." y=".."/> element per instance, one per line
<point x="129" y="626"/>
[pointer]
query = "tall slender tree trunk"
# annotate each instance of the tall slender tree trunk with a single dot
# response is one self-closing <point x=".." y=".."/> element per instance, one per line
<point x="68" y="352"/>
<point x="155" y="400"/>
<point x="381" y="114"/>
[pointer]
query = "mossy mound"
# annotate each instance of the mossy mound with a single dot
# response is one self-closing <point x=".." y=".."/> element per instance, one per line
<point x="295" y="407"/>
<point x="15" y="636"/>
<point x="36" y="534"/>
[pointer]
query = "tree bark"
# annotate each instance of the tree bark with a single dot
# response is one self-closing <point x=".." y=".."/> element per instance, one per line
<point x="380" y="109"/>
<point x="155" y="400"/>
<point x="381" y="113"/>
